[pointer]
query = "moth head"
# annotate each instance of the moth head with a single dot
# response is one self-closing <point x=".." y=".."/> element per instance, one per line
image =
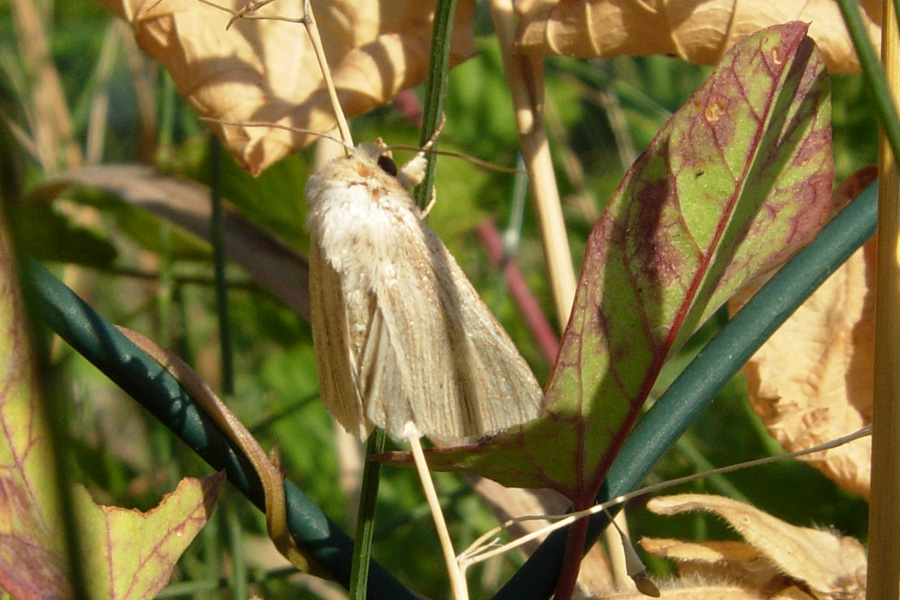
<point x="409" y="175"/>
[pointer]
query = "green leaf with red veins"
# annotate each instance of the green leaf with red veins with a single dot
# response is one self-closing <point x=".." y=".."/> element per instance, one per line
<point x="735" y="183"/>
<point x="128" y="554"/>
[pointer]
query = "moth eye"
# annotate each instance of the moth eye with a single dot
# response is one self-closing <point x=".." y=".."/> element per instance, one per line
<point x="387" y="165"/>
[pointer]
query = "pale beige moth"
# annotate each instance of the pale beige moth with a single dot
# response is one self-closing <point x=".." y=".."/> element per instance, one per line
<point x="403" y="340"/>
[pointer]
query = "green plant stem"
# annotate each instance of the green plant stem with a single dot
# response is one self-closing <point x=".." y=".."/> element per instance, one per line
<point x="192" y="588"/>
<point x="873" y="72"/>
<point x="700" y="464"/>
<point x="147" y="382"/>
<point x="226" y="353"/>
<point x="240" y="577"/>
<point x="51" y="407"/>
<point x="568" y="578"/>
<point x="365" y="520"/>
<point x="435" y="89"/>
<point x="166" y="118"/>
<point x="711" y="369"/>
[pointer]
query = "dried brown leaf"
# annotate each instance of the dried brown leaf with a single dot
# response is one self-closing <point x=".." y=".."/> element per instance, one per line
<point x="716" y="561"/>
<point x="699" y="31"/>
<point x="830" y="565"/>
<point x="812" y="381"/>
<point x="693" y="590"/>
<point x="791" y="593"/>
<point x="264" y="70"/>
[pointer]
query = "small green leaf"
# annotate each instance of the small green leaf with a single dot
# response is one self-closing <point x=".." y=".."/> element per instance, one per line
<point x="735" y="183"/>
<point x="131" y="554"/>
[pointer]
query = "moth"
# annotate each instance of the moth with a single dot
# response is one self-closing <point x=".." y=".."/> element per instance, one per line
<point x="403" y="341"/>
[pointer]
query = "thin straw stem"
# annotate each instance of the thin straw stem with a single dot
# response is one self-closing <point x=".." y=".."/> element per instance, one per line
<point x="884" y="526"/>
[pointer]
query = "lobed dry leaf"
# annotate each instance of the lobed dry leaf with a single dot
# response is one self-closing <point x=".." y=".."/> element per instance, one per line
<point x="716" y="561"/>
<point x="264" y="70"/>
<point x="778" y="560"/>
<point x="688" y="589"/>
<point x="699" y="31"/>
<point x="812" y="381"/>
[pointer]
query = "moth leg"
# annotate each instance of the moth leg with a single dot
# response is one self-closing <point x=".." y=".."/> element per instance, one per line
<point x="434" y="136"/>
<point x="431" y="203"/>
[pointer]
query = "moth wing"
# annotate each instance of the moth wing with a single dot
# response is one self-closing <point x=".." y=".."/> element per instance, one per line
<point x="380" y="375"/>
<point x="446" y="364"/>
<point x="502" y="390"/>
<point x="331" y="312"/>
<point x="497" y="388"/>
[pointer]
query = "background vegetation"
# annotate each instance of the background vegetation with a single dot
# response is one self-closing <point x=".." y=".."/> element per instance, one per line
<point x="144" y="273"/>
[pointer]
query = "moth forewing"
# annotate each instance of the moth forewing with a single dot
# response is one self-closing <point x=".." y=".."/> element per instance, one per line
<point x="404" y="342"/>
<point x="332" y="339"/>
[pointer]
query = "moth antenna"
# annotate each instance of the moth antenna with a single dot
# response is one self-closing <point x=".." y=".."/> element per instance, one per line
<point x="327" y="136"/>
<point x="475" y="161"/>
<point x="427" y="149"/>
<point x="309" y="21"/>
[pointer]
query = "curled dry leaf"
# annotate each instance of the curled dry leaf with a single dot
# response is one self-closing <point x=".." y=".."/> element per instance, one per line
<point x="693" y="590"/>
<point x="275" y="266"/>
<point x="775" y="560"/>
<point x="699" y="31"/>
<point x="264" y="70"/>
<point x="812" y="381"/>
<point x="716" y="561"/>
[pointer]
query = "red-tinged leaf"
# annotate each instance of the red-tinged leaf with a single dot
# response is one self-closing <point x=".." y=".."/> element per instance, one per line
<point x="31" y="564"/>
<point x="128" y="554"/>
<point x="735" y="183"/>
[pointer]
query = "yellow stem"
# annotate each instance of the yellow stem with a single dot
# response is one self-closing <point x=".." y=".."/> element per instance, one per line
<point x="458" y="587"/>
<point x="524" y="74"/>
<point x="884" y="523"/>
